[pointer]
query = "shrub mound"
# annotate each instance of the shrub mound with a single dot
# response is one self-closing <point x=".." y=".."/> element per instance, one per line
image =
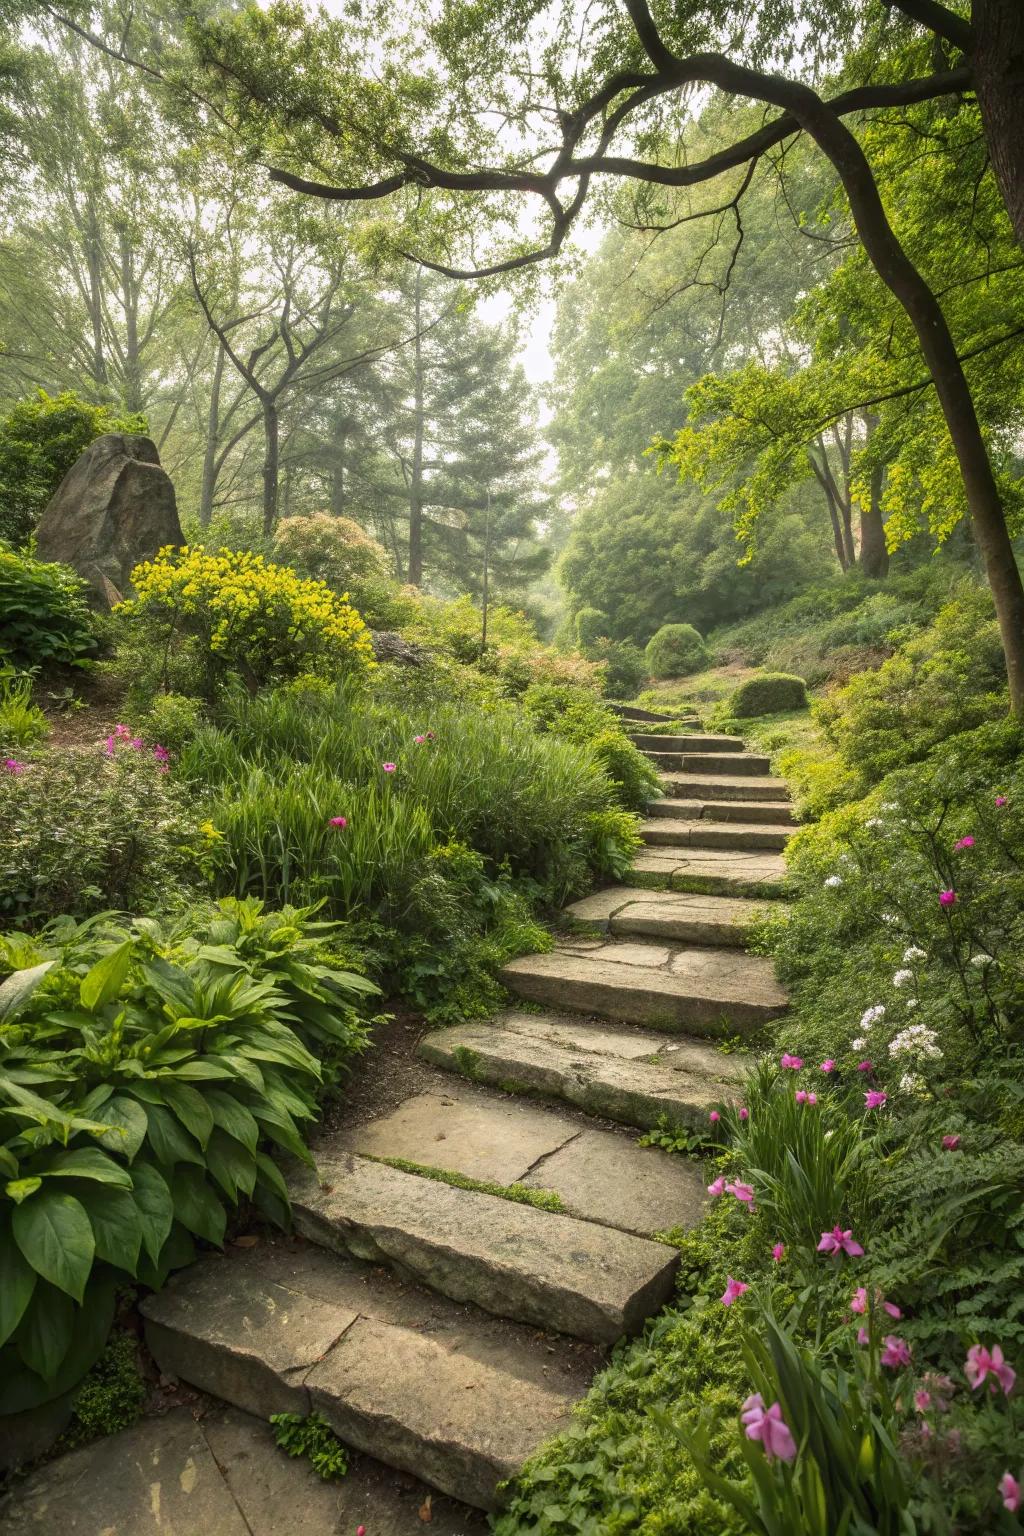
<point x="675" y="651"/>
<point x="770" y="694"/>
<point x="46" y="617"/>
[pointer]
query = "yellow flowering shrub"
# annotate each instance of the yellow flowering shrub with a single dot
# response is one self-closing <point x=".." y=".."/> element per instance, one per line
<point x="260" y="621"/>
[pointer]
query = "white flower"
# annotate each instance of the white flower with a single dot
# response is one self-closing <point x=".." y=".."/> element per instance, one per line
<point x="911" y="1002"/>
<point x="872" y="1015"/>
<point x="888" y="805"/>
<point x="902" y="977"/>
<point x="890" y="918"/>
<point x="981" y="960"/>
<point x="874" y="821"/>
<point x="916" y="1040"/>
<point x="911" y="1084"/>
<point x="833" y="881"/>
<point x="913" y="953"/>
<point x="858" y="1044"/>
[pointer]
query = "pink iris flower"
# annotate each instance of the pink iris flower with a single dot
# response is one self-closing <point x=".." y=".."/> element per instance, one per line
<point x="768" y="1426"/>
<point x="338" y="821"/>
<point x="1000" y="799"/>
<point x="892" y="1309"/>
<point x="837" y="1241"/>
<point x="982" y="1363"/>
<point x="859" y="1300"/>
<point x="812" y="1099"/>
<point x="963" y="842"/>
<point x="744" y="1193"/>
<point x="950" y="1143"/>
<point x="828" y="1066"/>
<point x="733" y="1290"/>
<point x="714" y="1117"/>
<point x="717" y="1188"/>
<point x="779" y="1252"/>
<point x="875" y="1098"/>
<point x="794" y="1063"/>
<point x="895" y="1352"/>
<point x="922" y="1400"/>
<point x="865" y="1066"/>
<point x="161" y="754"/>
<point x="389" y="767"/>
<point x="863" y="1337"/>
<point x="1009" y="1489"/>
<point x="11" y="765"/>
<point x="744" y="1113"/>
<point x="947" y="898"/>
<point x="800" y="1096"/>
<point x="419" y="740"/>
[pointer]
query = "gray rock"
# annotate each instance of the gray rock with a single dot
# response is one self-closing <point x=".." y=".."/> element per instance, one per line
<point x="388" y="645"/>
<point x="114" y="508"/>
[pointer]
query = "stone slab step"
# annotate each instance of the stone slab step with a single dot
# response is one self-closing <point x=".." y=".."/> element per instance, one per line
<point x="662" y="831"/>
<point x="715" y="992"/>
<point x="773" y="812"/>
<point x="685" y="743"/>
<point x="687" y="917"/>
<point x="420" y="1384"/>
<point x="723" y="786"/>
<point x="599" y="1175"/>
<point x="625" y="1075"/>
<point x="717" y="871"/>
<point x="535" y="1266"/>
<point x="649" y="716"/>
<point x="733" y="764"/>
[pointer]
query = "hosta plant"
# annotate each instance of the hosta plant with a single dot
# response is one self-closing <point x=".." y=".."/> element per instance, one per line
<point x="148" y="1078"/>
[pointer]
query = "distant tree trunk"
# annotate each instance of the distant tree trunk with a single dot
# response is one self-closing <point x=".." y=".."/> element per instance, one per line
<point x="874" y="556"/>
<point x="338" y="491"/>
<point x="825" y="479"/>
<point x="94" y="298"/>
<point x="415" y="571"/>
<point x="998" y="59"/>
<point x="271" y="462"/>
<point x="130" y="299"/>
<point x="212" y="434"/>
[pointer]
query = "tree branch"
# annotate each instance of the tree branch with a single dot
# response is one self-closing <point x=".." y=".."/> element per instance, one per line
<point x="938" y="19"/>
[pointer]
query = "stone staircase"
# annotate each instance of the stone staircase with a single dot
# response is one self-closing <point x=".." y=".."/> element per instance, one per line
<point x="469" y="1254"/>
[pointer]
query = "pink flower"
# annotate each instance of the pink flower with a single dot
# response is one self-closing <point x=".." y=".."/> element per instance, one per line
<point x="981" y="1363"/>
<point x="828" y="1066"/>
<point x="419" y="740"/>
<point x="714" y="1117"/>
<point x="895" y="1352"/>
<point x="11" y="765"/>
<point x="859" y="1300"/>
<point x="865" y="1066"/>
<point x="717" y="1188"/>
<point x="800" y="1096"/>
<point x="109" y="747"/>
<point x="892" y="1309"/>
<point x="779" y="1252"/>
<point x="963" y="842"/>
<point x="1000" y="799"/>
<point x="768" y="1426"/>
<point x="837" y="1241"/>
<point x="744" y="1113"/>
<point x="360" y="1530"/>
<point x="161" y="754"/>
<point x="744" y="1193"/>
<point x="1009" y="1489"/>
<point x="950" y="1143"/>
<point x="338" y="821"/>
<point x="123" y="731"/>
<point x="794" y="1063"/>
<point x="137" y="743"/>
<point x="875" y="1098"/>
<point x="389" y="767"/>
<point x="733" y="1289"/>
<point x="863" y="1337"/>
<point x="922" y="1400"/>
<point x="947" y="898"/>
<point x="812" y="1099"/>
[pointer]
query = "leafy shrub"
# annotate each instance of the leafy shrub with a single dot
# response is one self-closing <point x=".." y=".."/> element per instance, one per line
<point x="337" y="551"/>
<point x="22" y="723"/>
<point x="591" y="625"/>
<point x="675" y="650"/>
<point x="142" y="1073"/>
<point x="625" y="667"/>
<point x="172" y="719"/>
<point x="770" y="694"/>
<point x="40" y="439"/>
<point x="313" y="1438"/>
<point x="245" y="618"/>
<point x="46" y="617"/>
<point x="580" y="717"/>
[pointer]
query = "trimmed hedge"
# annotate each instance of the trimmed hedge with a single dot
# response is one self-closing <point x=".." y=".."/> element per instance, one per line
<point x="770" y="694"/>
<point x="676" y="651"/>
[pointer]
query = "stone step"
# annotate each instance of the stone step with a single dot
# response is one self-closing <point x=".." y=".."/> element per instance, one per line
<point x="684" y="743"/>
<point x="649" y="716"/>
<point x="716" y="871"/>
<point x="715" y="992"/>
<point x="534" y="1266"/>
<point x="723" y="786"/>
<point x="774" y="812"/>
<point x="661" y="831"/>
<point x="691" y="918"/>
<point x="419" y="1383"/>
<point x="624" y="1075"/>
<point x="732" y="764"/>
<point x="599" y="1175"/>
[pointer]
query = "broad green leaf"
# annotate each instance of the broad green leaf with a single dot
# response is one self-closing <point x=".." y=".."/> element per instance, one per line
<point x="230" y="1164"/>
<point x="178" y="1251"/>
<point x="21" y="1389"/>
<point x="104" y="982"/>
<point x="8" y="1162"/>
<point x="279" y="1126"/>
<point x="18" y="988"/>
<point x="54" y="1234"/>
<point x="20" y="1189"/>
<point x="204" y="1069"/>
<point x="128" y="1123"/>
<point x="116" y="1225"/>
<point x="170" y="1142"/>
<point x="155" y="1207"/>
<point x="17" y="1282"/>
<point x="196" y="1205"/>
<point x="46" y="1330"/>
<point x="88" y="1163"/>
<point x="233" y="1117"/>
<point x="190" y="1107"/>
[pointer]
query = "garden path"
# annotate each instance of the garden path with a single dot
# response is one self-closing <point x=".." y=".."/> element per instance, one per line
<point x="470" y="1252"/>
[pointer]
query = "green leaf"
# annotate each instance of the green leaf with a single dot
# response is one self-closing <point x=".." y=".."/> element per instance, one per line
<point x="196" y="1205"/>
<point x="279" y="1127"/>
<point x="88" y="1163"/>
<point x="21" y="1389"/>
<point x="178" y="1251"/>
<point x="230" y="1164"/>
<point x="116" y="1225"/>
<point x="153" y="1201"/>
<point x="20" y="1189"/>
<point x="128" y="1123"/>
<point x="44" y="1337"/>
<point x="17" y="1282"/>
<point x="103" y="983"/>
<point x="18" y="988"/>
<point x="190" y="1107"/>
<point x="171" y="1144"/>
<point x="54" y="1234"/>
<point x="233" y="1117"/>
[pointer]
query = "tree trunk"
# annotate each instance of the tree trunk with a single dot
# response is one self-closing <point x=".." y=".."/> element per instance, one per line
<point x="271" y="464"/>
<point x="415" y="572"/>
<point x="94" y="261"/>
<point x="827" y="484"/>
<point x="130" y="300"/>
<point x="998" y="60"/>
<point x="874" y="556"/>
<point x="212" y="434"/>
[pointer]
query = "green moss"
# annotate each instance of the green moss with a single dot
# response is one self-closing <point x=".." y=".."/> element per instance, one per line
<point x="110" y="1396"/>
<point x="519" y="1194"/>
<point x="467" y="1061"/>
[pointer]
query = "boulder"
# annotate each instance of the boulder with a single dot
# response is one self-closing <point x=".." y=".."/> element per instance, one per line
<point x="114" y="508"/>
<point x="388" y="645"/>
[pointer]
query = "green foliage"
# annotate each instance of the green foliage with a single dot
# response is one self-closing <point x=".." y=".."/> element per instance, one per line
<point x="22" y="723"/>
<point x="313" y="1438"/>
<point x="625" y="666"/>
<point x="172" y="719"/>
<point x="770" y="694"/>
<point x="112" y="1394"/>
<point x="519" y="1194"/>
<point x="675" y="651"/>
<point x="40" y="439"/>
<point x="579" y="717"/>
<point x="46" y="617"/>
<point x="337" y="551"/>
<point x="591" y="624"/>
<point x="143" y="1072"/>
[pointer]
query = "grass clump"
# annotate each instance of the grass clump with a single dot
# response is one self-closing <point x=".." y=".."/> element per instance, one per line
<point x="519" y="1194"/>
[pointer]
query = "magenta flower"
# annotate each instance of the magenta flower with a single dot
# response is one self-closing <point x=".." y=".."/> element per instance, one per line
<point x="768" y="1426"/>
<point x="892" y="1309"/>
<point x="895" y="1352"/>
<point x="922" y="1400"/>
<point x="338" y="821"/>
<point x="812" y="1099"/>
<point x="109" y="746"/>
<point x="950" y="1143"/>
<point x="859" y="1300"/>
<point x="419" y="740"/>
<point x="981" y="1363"/>
<point x="161" y="754"/>
<point x="779" y="1252"/>
<point x="11" y="765"/>
<point x="794" y="1063"/>
<point x="123" y="731"/>
<point x="714" y="1117"/>
<point x="733" y="1290"/>
<point x="865" y="1066"/>
<point x="717" y="1188"/>
<point x="875" y="1098"/>
<point x="137" y="743"/>
<point x="963" y="842"/>
<point x="1009" y="1489"/>
<point x="837" y="1241"/>
<point x="947" y="898"/>
<point x="828" y="1066"/>
<point x="800" y="1096"/>
<point x="744" y="1113"/>
<point x="389" y="767"/>
<point x="863" y="1337"/>
<point x="1000" y="799"/>
<point x="744" y="1193"/>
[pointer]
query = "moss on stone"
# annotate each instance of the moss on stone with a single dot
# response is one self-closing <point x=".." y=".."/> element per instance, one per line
<point x="519" y="1194"/>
